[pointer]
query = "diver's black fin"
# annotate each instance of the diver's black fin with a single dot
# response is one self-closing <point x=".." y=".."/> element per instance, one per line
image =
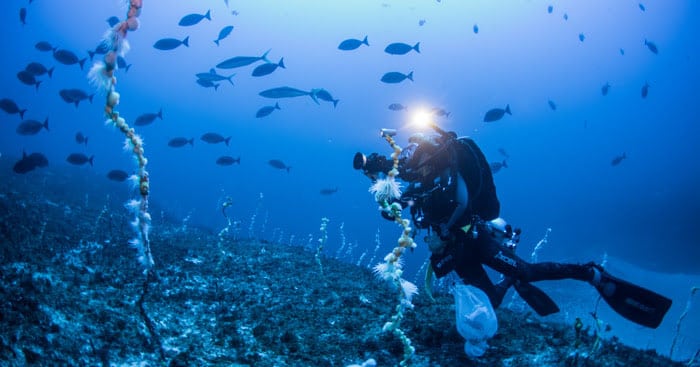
<point x="633" y="302"/>
<point x="536" y="298"/>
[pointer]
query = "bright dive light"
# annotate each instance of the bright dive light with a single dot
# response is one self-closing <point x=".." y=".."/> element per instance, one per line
<point x="422" y="119"/>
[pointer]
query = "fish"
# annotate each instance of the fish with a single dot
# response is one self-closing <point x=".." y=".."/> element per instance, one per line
<point x="212" y="76"/>
<point x="208" y="84"/>
<point x="397" y="107"/>
<point x="605" y="89"/>
<point x="276" y="163"/>
<point x="476" y="29"/>
<point x="79" y="159"/>
<point x="394" y="77"/>
<point x="352" y="44"/>
<point x="226" y="160"/>
<point x="75" y="96"/>
<point x="23" y="16"/>
<point x="437" y="111"/>
<point x="214" y="138"/>
<point x="552" y="105"/>
<point x="265" y="111"/>
<point x="117" y="175"/>
<point x="44" y="46"/>
<point x="192" y="19"/>
<point x="503" y="152"/>
<point x="399" y="48"/>
<point x="101" y="49"/>
<point x="421" y="22"/>
<point x="112" y="21"/>
<point x="268" y="68"/>
<point x="581" y="37"/>
<point x="122" y="64"/>
<point x="38" y="69"/>
<point x="645" y="90"/>
<point x="28" y="79"/>
<point x="30" y="162"/>
<point x="651" y="46"/>
<point x="642" y="7"/>
<point x="238" y="61"/>
<point x="496" y="114"/>
<point x="286" y="92"/>
<point x="566" y="16"/>
<point x="496" y="166"/>
<point x="328" y="191"/>
<point x="223" y="33"/>
<point x="180" y="142"/>
<point x="11" y="107"/>
<point x="166" y="44"/>
<point x="66" y="57"/>
<point x="235" y="12"/>
<point x="148" y="118"/>
<point x="80" y="138"/>
<point x="32" y="127"/>
<point x="550" y="9"/>
<point x="324" y="95"/>
<point x="617" y="160"/>
<point x="622" y="51"/>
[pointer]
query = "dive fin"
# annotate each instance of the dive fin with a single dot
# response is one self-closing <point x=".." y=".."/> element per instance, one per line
<point x="633" y="302"/>
<point x="536" y="298"/>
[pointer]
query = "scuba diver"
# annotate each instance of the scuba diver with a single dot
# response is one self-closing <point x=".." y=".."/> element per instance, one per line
<point x="451" y="194"/>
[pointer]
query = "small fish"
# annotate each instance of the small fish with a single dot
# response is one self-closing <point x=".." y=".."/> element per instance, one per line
<point x="503" y="152"/>
<point x="496" y="114"/>
<point x="66" y="57"/>
<point x="397" y="107"/>
<point x="44" y="46"/>
<point x="286" y="92"/>
<point x="566" y="16"/>
<point x="436" y="111"/>
<point x="238" y="61"/>
<point x="226" y="160"/>
<point x="550" y="9"/>
<point x="192" y="19"/>
<point x="212" y="76"/>
<point x="180" y="142"/>
<point x="265" y="111"/>
<point x="401" y="48"/>
<point x="581" y="37"/>
<point x="496" y="166"/>
<point x="651" y="46"/>
<point x="352" y="44"/>
<point x="223" y="33"/>
<point x="112" y="21"/>
<point x="148" y="118"/>
<point x="421" y="22"/>
<point x="208" y="84"/>
<point x="30" y="162"/>
<point x="80" y="138"/>
<point x="622" y="51"/>
<point x="101" y="49"/>
<point x="122" y="64"/>
<point x="328" y="191"/>
<point x="38" y="69"/>
<point x="75" y="96"/>
<point x="642" y="7"/>
<point x="605" y="89"/>
<point x="28" y="78"/>
<point x="476" y="29"/>
<point x="11" y="107"/>
<point x="226" y="2"/>
<point x="117" y="175"/>
<point x="267" y="68"/>
<point x="276" y="163"/>
<point x="645" y="90"/>
<point x="23" y="16"/>
<point x="617" y="160"/>
<point x="552" y="105"/>
<point x="394" y="77"/>
<point x="214" y="138"/>
<point x="79" y="159"/>
<point x="166" y="44"/>
<point x="324" y="95"/>
<point x="32" y="127"/>
<point x="235" y="12"/>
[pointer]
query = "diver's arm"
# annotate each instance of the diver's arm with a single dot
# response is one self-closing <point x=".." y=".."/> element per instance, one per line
<point x="462" y="198"/>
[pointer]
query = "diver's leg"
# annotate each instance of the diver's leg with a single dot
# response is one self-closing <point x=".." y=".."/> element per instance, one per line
<point x="474" y="274"/>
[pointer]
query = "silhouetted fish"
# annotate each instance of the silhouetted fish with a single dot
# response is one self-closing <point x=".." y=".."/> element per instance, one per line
<point x="38" y="69"/>
<point x="80" y="138"/>
<point x="238" y="61"/>
<point x="286" y="92"/>
<point x="28" y="78"/>
<point x="223" y="33"/>
<point x="192" y="19"/>
<point x="214" y="138"/>
<point x="645" y="90"/>
<point x="581" y="37"/>
<point x="122" y="64"/>
<point x="167" y="44"/>
<point x="212" y="76"/>
<point x="552" y="105"/>
<point x="622" y="52"/>
<point x="496" y="114"/>
<point x="642" y="7"/>
<point x="397" y="107"/>
<point x="66" y="57"/>
<point x="605" y="89"/>
<point x="617" y="160"/>
<point x="496" y="166"/>
<point x="11" y="107"/>
<point x="566" y="16"/>
<point x="264" y="111"/>
<point x="399" y="48"/>
<point x="117" y="175"/>
<point x="351" y="44"/>
<point x="148" y="118"/>
<point x="208" y="84"/>
<point x="23" y="15"/>
<point x="30" y="162"/>
<point x="79" y="159"/>
<point x="476" y="29"/>
<point x="329" y="191"/>
<point x="44" y="46"/>
<point x="437" y="111"/>
<point x="75" y="96"/>
<point x="549" y="9"/>
<point x="276" y="163"/>
<point x="112" y="21"/>
<point x="226" y="160"/>
<point x="267" y="68"/>
<point x="421" y="22"/>
<point x="394" y="77"/>
<point x="180" y="142"/>
<point x="503" y="152"/>
<point x="101" y="49"/>
<point x="32" y="127"/>
<point x="651" y="46"/>
<point x="324" y="95"/>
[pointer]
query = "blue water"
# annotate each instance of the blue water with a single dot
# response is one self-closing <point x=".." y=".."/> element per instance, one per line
<point x="644" y="210"/>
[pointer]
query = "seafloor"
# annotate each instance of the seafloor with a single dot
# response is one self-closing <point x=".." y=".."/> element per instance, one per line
<point x="73" y="294"/>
